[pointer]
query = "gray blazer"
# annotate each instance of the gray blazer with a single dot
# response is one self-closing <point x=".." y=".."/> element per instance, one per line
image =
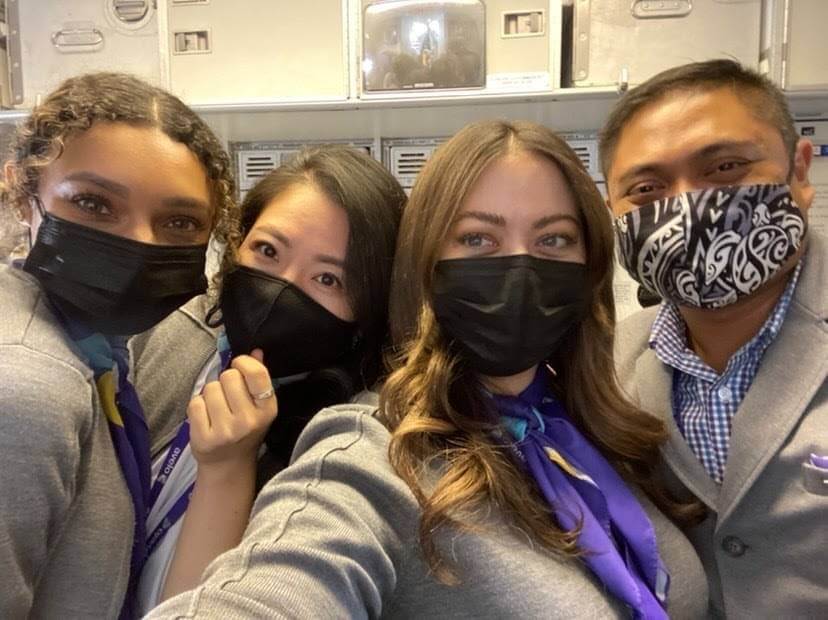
<point x="65" y="511"/>
<point x="334" y="535"/>
<point x="765" y="541"/>
<point x="166" y="362"/>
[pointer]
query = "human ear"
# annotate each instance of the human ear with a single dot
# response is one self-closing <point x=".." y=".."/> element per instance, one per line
<point x="801" y="189"/>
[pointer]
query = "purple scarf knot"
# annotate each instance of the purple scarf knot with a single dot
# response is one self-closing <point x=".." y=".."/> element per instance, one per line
<point x="584" y="490"/>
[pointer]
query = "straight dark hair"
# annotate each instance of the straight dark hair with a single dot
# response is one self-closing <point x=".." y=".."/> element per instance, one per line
<point x="757" y="92"/>
<point x="373" y="201"/>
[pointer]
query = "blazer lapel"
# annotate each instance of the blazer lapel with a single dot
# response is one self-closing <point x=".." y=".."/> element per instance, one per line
<point x="793" y="369"/>
<point x="654" y="382"/>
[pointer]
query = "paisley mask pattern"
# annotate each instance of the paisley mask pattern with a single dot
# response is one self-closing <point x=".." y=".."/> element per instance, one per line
<point x="709" y="248"/>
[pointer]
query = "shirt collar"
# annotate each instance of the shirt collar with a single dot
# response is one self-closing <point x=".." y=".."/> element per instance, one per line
<point x="774" y="323"/>
<point x="668" y="336"/>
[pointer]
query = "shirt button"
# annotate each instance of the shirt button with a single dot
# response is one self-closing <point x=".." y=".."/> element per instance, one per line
<point x="725" y="394"/>
<point x="733" y="546"/>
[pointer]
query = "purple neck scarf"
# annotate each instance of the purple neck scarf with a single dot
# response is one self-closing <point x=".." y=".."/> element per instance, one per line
<point x="617" y="536"/>
<point x="109" y="360"/>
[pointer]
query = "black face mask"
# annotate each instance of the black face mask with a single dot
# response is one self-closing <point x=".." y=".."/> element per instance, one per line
<point x="506" y="314"/>
<point x="110" y="284"/>
<point x="296" y="333"/>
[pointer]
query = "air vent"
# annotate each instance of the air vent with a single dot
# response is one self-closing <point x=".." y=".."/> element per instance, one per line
<point x="256" y="159"/>
<point x="255" y="165"/>
<point x="405" y="157"/>
<point x="130" y="11"/>
<point x="586" y="148"/>
<point x="408" y="161"/>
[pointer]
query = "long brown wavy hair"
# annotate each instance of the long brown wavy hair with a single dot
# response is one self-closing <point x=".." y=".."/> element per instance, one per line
<point x="435" y="406"/>
<point x="81" y="101"/>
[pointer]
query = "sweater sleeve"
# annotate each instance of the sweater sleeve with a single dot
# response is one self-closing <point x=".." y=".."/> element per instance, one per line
<point x="327" y="536"/>
<point x="45" y="412"/>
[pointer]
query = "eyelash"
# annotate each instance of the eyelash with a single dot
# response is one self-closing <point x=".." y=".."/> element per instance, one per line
<point x="568" y="239"/>
<point x="193" y="224"/>
<point x="717" y="169"/>
<point x="102" y="207"/>
<point x="652" y="187"/>
<point x="260" y="246"/>
<point x="263" y="247"/>
<point x="337" y="283"/>
<point x="99" y="201"/>
<point x="736" y="164"/>
<point x="466" y="238"/>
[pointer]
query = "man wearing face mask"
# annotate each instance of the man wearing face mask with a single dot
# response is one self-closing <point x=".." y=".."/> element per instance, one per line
<point x="709" y="186"/>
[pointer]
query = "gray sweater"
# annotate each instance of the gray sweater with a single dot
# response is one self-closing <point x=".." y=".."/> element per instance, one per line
<point x="66" y="518"/>
<point x="335" y="536"/>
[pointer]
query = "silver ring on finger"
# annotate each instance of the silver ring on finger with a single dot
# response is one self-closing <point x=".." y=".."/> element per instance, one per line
<point x="263" y="395"/>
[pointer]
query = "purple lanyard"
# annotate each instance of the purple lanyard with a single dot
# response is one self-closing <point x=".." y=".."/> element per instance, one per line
<point x="178" y="509"/>
<point x="179" y="443"/>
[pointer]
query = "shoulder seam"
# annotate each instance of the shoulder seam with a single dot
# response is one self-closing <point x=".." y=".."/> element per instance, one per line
<point x="198" y="322"/>
<point x="31" y="316"/>
<point x="50" y="357"/>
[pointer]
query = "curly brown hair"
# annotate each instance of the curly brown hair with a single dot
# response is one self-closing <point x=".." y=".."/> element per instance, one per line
<point x="435" y="405"/>
<point x="81" y="101"/>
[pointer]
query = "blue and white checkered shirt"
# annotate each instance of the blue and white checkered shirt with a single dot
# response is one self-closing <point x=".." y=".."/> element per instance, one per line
<point x="704" y="402"/>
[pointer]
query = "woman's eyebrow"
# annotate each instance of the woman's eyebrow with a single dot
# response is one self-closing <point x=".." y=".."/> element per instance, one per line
<point x="551" y="219"/>
<point x="331" y="260"/>
<point x="275" y="233"/>
<point x="185" y="202"/>
<point x="108" y="184"/>
<point x="489" y="218"/>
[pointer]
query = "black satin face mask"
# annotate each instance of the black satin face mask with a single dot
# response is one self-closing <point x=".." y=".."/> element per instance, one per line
<point x="111" y="284"/>
<point x="296" y="333"/>
<point x="508" y="313"/>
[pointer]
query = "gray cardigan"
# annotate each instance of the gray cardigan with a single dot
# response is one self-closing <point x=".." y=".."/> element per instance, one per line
<point x="335" y="536"/>
<point x="766" y="537"/>
<point x="65" y="512"/>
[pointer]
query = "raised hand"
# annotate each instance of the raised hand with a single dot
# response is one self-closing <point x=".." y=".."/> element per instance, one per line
<point x="229" y="419"/>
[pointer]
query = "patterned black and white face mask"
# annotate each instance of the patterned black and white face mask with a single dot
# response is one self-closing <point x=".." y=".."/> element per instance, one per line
<point x="711" y="247"/>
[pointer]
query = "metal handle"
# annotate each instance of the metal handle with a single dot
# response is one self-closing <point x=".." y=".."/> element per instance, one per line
<point x="660" y="9"/>
<point x="68" y="38"/>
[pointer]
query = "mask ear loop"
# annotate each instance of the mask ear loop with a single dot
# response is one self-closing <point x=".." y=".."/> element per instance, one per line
<point x="41" y="210"/>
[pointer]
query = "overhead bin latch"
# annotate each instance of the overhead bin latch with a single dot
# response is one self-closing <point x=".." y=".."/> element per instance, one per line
<point x="76" y="37"/>
<point x="652" y="9"/>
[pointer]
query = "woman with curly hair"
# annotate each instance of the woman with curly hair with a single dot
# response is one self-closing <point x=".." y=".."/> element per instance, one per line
<point x="504" y="473"/>
<point x="121" y="186"/>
